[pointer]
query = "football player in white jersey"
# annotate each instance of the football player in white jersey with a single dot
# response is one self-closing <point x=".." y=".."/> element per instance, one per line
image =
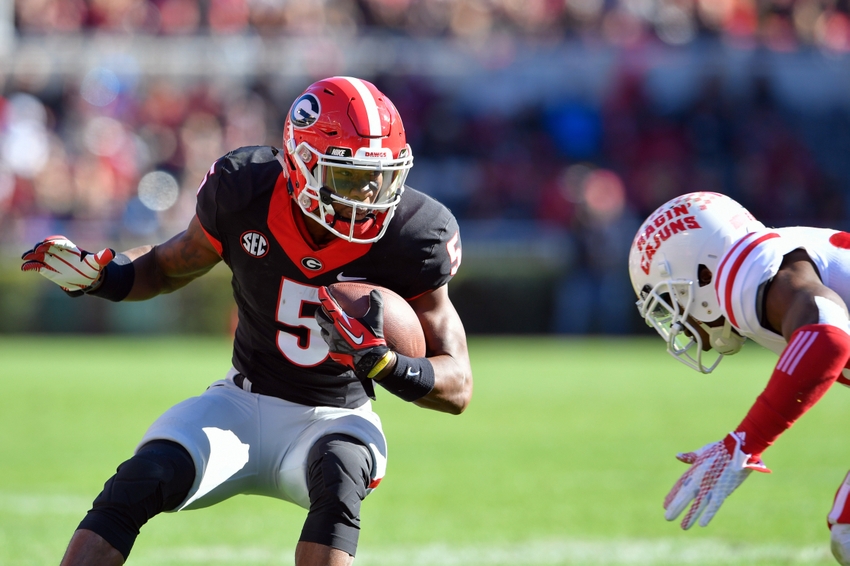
<point x="708" y="275"/>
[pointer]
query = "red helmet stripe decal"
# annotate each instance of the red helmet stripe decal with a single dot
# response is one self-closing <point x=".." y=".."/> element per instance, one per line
<point x="370" y="106"/>
<point x="729" y="279"/>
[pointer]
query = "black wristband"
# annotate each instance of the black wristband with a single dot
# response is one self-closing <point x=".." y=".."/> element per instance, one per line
<point x="118" y="277"/>
<point x="412" y="378"/>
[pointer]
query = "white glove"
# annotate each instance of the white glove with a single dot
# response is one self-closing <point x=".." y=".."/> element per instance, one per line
<point x="58" y="259"/>
<point x="716" y="470"/>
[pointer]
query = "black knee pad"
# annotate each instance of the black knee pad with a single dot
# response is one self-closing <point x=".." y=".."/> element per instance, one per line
<point x="339" y="471"/>
<point x="156" y="479"/>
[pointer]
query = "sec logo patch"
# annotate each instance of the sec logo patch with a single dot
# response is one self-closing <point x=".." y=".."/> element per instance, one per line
<point x="255" y="244"/>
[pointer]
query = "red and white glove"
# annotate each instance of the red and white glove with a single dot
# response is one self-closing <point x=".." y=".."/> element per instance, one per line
<point x="716" y="470"/>
<point x="58" y="259"/>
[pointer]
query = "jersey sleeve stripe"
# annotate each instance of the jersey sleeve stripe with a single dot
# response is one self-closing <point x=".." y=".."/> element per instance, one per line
<point x="792" y="356"/>
<point x="207" y="176"/>
<point x="732" y="251"/>
<point x="215" y="243"/>
<point x="789" y="352"/>
<point x="726" y="281"/>
<point x="721" y="270"/>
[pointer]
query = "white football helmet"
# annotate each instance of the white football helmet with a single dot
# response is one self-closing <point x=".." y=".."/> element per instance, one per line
<point x="666" y="257"/>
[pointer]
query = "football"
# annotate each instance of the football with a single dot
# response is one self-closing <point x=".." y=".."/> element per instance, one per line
<point x="402" y="330"/>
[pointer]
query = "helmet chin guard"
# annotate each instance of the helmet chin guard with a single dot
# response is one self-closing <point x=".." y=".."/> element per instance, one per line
<point x="683" y="238"/>
<point x="661" y="309"/>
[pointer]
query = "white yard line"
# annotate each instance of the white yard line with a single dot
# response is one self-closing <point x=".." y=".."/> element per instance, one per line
<point x="27" y="504"/>
<point x="532" y="553"/>
<point x="543" y="552"/>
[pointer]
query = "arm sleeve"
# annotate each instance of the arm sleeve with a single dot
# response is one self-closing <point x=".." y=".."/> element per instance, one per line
<point x="811" y="363"/>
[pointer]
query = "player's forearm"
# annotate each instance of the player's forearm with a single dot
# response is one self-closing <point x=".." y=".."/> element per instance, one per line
<point x="158" y="270"/>
<point x="452" y="390"/>
<point x="808" y="367"/>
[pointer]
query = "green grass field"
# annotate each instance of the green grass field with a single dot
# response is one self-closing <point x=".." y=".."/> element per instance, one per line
<point x="563" y="457"/>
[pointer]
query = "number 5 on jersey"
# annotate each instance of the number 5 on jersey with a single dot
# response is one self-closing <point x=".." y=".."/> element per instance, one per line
<point x="455" y="252"/>
<point x="301" y="340"/>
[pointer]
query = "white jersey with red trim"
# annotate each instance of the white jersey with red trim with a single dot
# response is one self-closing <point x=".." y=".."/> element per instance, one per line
<point x="752" y="261"/>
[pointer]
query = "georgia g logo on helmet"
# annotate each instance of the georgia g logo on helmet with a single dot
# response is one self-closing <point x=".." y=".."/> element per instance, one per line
<point x="305" y="111"/>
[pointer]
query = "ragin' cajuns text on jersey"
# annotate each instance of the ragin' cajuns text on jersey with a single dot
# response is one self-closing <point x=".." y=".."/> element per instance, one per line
<point x="245" y="209"/>
<point x="750" y="264"/>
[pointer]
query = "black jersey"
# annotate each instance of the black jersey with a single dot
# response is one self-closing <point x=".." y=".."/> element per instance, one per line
<point x="248" y="215"/>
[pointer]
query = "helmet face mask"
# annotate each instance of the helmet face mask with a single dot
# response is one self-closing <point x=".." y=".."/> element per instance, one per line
<point x="346" y="157"/>
<point x="661" y="309"/>
<point x="682" y="239"/>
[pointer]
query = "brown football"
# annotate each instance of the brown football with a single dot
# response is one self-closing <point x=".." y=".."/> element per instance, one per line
<point x="402" y="330"/>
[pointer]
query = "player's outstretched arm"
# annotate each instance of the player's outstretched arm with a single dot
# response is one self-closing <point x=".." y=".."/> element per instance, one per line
<point x="814" y="320"/>
<point x="445" y="340"/>
<point x="137" y="274"/>
<point x="173" y="264"/>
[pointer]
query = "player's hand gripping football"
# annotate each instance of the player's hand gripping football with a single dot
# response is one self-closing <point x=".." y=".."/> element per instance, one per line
<point x="356" y="342"/>
<point x="716" y="470"/>
<point x="73" y="269"/>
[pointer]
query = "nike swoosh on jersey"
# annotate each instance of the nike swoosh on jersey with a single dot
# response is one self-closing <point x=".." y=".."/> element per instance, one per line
<point x="341" y="277"/>
<point x="356" y="339"/>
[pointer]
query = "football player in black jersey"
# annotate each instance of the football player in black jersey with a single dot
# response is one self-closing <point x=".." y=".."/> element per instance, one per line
<point x="292" y="418"/>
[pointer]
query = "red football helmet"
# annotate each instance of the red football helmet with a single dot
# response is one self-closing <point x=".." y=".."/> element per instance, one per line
<point x="346" y="157"/>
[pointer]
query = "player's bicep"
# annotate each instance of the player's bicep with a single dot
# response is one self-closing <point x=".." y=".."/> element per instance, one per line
<point x="798" y="297"/>
<point x="187" y="253"/>
<point x="444" y="332"/>
<point x="816" y="305"/>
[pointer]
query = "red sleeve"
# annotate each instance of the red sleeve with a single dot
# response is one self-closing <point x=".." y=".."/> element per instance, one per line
<point x="809" y="365"/>
<point x="215" y="243"/>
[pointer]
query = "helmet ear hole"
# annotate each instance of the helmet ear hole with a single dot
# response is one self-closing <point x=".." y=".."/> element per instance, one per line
<point x="704" y="275"/>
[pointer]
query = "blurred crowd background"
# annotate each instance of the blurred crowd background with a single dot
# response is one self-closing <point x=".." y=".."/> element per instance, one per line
<point x="549" y="127"/>
<point x="778" y="24"/>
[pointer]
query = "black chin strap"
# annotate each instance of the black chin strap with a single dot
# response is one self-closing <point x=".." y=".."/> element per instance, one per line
<point x="369" y="216"/>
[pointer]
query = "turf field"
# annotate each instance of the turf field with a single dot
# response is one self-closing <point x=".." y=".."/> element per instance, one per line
<point x="563" y="457"/>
